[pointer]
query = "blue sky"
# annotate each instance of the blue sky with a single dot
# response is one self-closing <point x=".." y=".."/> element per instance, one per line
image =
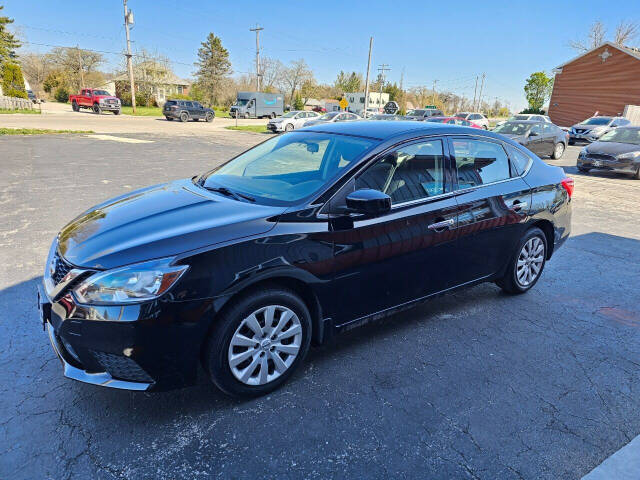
<point x="448" y="41"/>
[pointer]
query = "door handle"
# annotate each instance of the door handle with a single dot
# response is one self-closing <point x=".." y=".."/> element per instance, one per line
<point x="440" y="226"/>
<point x="518" y="205"/>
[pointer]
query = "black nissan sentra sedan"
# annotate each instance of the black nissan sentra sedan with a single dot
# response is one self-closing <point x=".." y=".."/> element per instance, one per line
<point x="308" y="234"/>
<point x="616" y="151"/>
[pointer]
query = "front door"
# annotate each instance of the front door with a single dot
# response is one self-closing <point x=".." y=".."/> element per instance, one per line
<point x="493" y="202"/>
<point x="405" y="254"/>
<point x="536" y="141"/>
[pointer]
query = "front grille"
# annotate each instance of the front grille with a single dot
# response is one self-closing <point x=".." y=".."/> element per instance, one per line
<point x="121" y="367"/>
<point x="600" y="156"/>
<point x="60" y="268"/>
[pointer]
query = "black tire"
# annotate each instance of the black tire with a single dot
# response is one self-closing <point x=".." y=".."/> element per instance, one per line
<point x="96" y="109"/>
<point x="184" y="117"/>
<point x="169" y="119"/>
<point x="215" y="355"/>
<point x="637" y="174"/>
<point x="485" y="127"/>
<point x="288" y="127"/>
<point x="273" y="115"/>
<point x="75" y="106"/>
<point x="558" y="151"/>
<point x="572" y="142"/>
<point x="116" y="112"/>
<point x="510" y="283"/>
<point x="245" y="116"/>
<point x="209" y="117"/>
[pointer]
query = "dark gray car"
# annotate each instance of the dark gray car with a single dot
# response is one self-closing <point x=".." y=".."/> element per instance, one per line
<point x="593" y="128"/>
<point x="185" y="110"/>
<point x="542" y="138"/>
<point x="617" y="150"/>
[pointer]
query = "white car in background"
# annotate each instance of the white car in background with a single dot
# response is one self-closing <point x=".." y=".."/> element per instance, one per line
<point x="333" y="117"/>
<point x="478" y="118"/>
<point x="526" y="116"/>
<point x="291" y="120"/>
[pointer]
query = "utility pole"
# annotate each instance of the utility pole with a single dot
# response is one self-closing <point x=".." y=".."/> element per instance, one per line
<point x="366" y="84"/>
<point x="382" y="69"/>
<point x="475" y="91"/>
<point x="257" y="29"/>
<point x="128" y="18"/>
<point x="80" y="64"/>
<point x="480" y="96"/>
<point x="433" y="100"/>
<point x="402" y="96"/>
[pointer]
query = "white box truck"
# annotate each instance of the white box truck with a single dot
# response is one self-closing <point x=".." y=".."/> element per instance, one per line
<point x="257" y="105"/>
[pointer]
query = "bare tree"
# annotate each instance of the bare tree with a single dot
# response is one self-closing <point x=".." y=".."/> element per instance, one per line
<point x="76" y="64"/>
<point x="36" y="67"/>
<point x="625" y="33"/>
<point x="294" y="76"/>
<point x="272" y="71"/>
<point x="595" y="38"/>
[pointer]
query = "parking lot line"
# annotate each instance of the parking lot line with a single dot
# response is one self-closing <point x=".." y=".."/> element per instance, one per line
<point x="622" y="465"/>
<point x="119" y="139"/>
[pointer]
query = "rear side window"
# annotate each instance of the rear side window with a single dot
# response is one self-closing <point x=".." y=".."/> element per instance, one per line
<point x="479" y="162"/>
<point x="519" y="161"/>
<point x="188" y="104"/>
<point x="170" y="102"/>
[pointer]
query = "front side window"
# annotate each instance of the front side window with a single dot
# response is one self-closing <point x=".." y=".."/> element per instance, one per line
<point x="409" y="173"/>
<point x="289" y="167"/>
<point x="479" y="162"/>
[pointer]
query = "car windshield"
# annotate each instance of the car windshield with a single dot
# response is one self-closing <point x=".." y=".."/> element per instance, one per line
<point x="512" y="128"/>
<point x="461" y="114"/>
<point x="437" y="119"/>
<point x="597" y="121"/>
<point x="290" y="114"/>
<point x="241" y="101"/>
<point x="520" y="117"/>
<point x="288" y="168"/>
<point x="101" y="92"/>
<point x="329" y="116"/>
<point x="622" y="135"/>
<point x="415" y="113"/>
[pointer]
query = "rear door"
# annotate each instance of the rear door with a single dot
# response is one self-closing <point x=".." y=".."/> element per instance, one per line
<point x="198" y="110"/>
<point x="407" y="253"/>
<point x="493" y="202"/>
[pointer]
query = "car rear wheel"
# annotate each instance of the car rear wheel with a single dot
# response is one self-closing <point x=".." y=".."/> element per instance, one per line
<point x="75" y="106"/>
<point x="97" y="109"/>
<point x="184" y="116"/>
<point x="273" y="115"/>
<point x="169" y="119"/>
<point x="527" y="264"/>
<point x="637" y="174"/>
<point x="558" y="151"/>
<point x="257" y="344"/>
<point x="288" y="127"/>
<point x="209" y="117"/>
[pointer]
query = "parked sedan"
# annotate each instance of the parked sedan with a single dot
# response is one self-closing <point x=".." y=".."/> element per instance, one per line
<point x="422" y="114"/>
<point x="542" y="138"/>
<point x="593" y="128"/>
<point x="306" y="235"/>
<point x="474" y="117"/>
<point x="617" y="150"/>
<point x="389" y="116"/>
<point x="332" y="117"/>
<point x="291" y="120"/>
<point x="453" y="121"/>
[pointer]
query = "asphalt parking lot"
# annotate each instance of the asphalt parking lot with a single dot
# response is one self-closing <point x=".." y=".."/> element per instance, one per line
<point x="474" y="385"/>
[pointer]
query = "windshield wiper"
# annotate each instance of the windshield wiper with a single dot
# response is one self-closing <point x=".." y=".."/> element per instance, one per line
<point x="231" y="193"/>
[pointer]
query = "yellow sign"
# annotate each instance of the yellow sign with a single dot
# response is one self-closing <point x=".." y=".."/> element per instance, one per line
<point x="343" y="103"/>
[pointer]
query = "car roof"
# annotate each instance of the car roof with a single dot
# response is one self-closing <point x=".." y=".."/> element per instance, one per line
<point x="525" y="121"/>
<point x="386" y="130"/>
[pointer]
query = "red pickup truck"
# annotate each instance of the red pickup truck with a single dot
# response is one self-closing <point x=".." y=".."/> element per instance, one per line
<point x="97" y="100"/>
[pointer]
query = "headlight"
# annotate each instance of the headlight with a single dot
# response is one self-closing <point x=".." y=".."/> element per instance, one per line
<point x="572" y="130"/>
<point x="629" y="156"/>
<point x="134" y="283"/>
<point x="583" y="152"/>
<point x="597" y="131"/>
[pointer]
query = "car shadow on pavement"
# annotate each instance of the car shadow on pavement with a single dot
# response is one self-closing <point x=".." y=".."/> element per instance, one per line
<point x="603" y="267"/>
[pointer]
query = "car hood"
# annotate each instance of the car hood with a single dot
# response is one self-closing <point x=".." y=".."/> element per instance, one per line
<point x="106" y="97"/>
<point x="612" y="148"/>
<point x="159" y="221"/>
<point x="589" y="127"/>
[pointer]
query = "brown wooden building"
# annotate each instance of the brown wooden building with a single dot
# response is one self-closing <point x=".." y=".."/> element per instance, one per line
<point x="601" y="80"/>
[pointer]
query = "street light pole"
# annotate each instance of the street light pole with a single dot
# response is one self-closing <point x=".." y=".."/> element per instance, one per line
<point x="128" y="55"/>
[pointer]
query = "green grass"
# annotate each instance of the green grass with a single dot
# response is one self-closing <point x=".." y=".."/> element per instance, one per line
<point x="20" y="110"/>
<point x="37" y="131"/>
<point x="221" y="113"/>
<point x="250" y="128"/>
<point x="143" y="111"/>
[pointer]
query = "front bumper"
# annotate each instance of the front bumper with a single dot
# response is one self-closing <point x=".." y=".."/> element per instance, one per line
<point x="611" y="164"/>
<point x="583" y="137"/>
<point x="275" y="127"/>
<point x="143" y="347"/>
<point x="109" y="107"/>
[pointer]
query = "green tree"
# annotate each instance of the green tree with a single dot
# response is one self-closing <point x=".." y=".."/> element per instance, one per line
<point x="13" y="81"/>
<point x="537" y="90"/>
<point x="54" y="80"/>
<point x="298" y="104"/>
<point x="348" y="82"/>
<point x="213" y="69"/>
<point x="395" y="94"/>
<point x="8" y="42"/>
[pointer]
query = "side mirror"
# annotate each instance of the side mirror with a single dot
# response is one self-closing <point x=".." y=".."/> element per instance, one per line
<point x="533" y="134"/>
<point x="369" y="202"/>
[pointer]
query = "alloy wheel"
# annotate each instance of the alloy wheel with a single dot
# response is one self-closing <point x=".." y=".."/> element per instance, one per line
<point x="559" y="150"/>
<point x="265" y="345"/>
<point x="530" y="261"/>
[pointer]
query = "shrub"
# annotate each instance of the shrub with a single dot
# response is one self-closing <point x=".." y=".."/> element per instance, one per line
<point x="143" y="99"/>
<point x="534" y="111"/>
<point x="298" y="104"/>
<point x="62" y="95"/>
<point x="12" y="81"/>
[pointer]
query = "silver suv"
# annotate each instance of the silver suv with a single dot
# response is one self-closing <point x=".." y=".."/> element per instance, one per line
<point x="593" y="128"/>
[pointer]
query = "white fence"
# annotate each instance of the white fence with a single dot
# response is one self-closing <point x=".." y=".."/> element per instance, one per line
<point x="13" y="103"/>
<point x="632" y="112"/>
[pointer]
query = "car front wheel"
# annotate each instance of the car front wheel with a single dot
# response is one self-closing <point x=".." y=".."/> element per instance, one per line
<point x="257" y="344"/>
<point x="288" y="127"/>
<point x="209" y="117"/>
<point x="184" y="116"/>
<point x="527" y="264"/>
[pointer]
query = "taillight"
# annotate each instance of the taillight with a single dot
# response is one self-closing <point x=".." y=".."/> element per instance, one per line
<point x="568" y="185"/>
